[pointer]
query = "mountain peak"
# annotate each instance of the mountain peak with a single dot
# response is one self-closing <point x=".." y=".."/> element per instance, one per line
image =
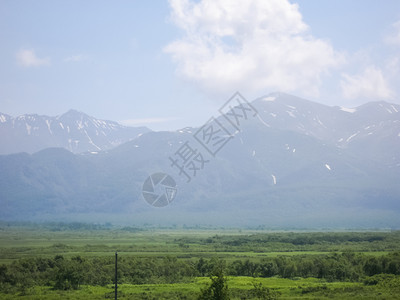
<point x="72" y="113"/>
<point x="275" y="96"/>
<point x="381" y="108"/>
<point x="73" y="130"/>
<point x="280" y="99"/>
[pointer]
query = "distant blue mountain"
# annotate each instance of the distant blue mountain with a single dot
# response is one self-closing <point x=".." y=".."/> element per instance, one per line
<point x="295" y="164"/>
<point x="74" y="131"/>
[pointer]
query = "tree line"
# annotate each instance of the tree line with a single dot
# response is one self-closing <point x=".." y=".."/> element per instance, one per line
<point x="69" y="273"/>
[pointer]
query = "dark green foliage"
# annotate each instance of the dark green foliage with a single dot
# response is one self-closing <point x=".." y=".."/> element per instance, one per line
<point x="342" y="267"/>
<point x="69" y="273"/>
<point x="388" y="282"/>
<point x="4" y="274"/>
<point x="218" y="288"/>
<point x="203" y="267"/>
<point x="299" y="241"/>
<point x="244" y="268"/>
<point x="180" y="259"/>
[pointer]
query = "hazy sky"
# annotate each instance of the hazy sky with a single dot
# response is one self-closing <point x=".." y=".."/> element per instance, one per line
<point x="170" y="64"/>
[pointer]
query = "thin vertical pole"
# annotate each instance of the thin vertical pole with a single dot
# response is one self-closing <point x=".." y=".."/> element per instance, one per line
<point x="116" y="275"/>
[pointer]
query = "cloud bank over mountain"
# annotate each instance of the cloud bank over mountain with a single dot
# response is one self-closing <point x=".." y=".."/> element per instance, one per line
<point x="252" y="45"/>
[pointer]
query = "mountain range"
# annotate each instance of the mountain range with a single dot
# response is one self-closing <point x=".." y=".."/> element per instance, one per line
<point x="291" y="163"/>
<point x="74" y="131"/>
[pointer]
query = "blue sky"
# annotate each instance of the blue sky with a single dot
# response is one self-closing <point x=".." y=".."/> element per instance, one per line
<point x="170" y="64"/>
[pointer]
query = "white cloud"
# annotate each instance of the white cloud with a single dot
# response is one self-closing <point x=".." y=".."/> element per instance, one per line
<point x="75" y="58"/>
<point x="392" y="66"/>
<point x="394" y="37"/>
<point x="248" y="45"/>
<point x="370" y="84"/>
<point x="28" y="58"/>
<point x="145" y="121"/>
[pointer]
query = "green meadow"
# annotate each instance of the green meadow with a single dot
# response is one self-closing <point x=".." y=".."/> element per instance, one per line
<point x="76" y="261"/>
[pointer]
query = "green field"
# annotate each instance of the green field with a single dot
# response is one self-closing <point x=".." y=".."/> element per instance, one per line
<point x="76" y="261"/>
<point x="240" y="287"/>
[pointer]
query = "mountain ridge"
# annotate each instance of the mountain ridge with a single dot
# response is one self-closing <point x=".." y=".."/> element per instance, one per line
<point x="285" y="166"/>
<point x="73" y="130"/>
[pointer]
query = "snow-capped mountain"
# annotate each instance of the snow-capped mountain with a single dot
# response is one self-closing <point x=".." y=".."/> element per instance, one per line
<point x="296" y="163"/>
<point x="335" y="125"/>
<point x="74" y="131"/>
<point x="368" y="130"/>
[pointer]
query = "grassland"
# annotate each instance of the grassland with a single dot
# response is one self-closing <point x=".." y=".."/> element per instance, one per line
<point x="177" y="263"/>
<point x="285" y="289"/>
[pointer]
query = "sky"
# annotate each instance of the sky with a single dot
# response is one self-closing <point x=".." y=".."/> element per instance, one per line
<point x="171" y="64"/>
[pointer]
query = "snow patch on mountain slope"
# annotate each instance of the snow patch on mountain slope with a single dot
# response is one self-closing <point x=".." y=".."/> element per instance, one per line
<point x="28" y="128"/>
<point x="48" y="126"/>
<point x="291" y="114"/>
<point x="262" y="121"/>
<point x="273" y="178"/>
<point x="320" y="122"/>
<point x="349" y="110"/>
<point x="90" y="140"/>
<point x="79" y="123"/>
<point x="269" y="98"/>
<point x="353" y="135"/>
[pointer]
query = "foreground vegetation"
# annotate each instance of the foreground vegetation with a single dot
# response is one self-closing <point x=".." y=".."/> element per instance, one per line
<point x="76" y="261"/>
